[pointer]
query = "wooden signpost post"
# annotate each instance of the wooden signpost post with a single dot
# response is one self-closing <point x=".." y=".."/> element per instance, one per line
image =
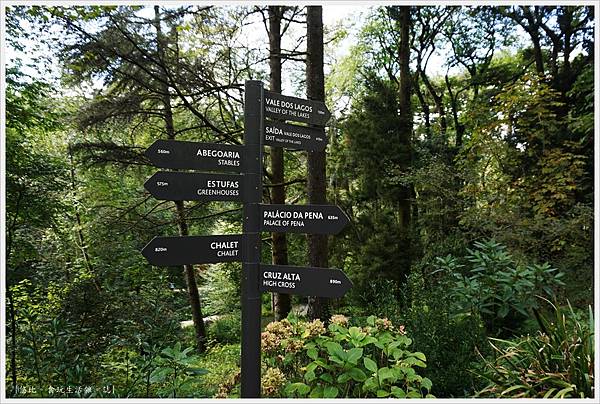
<point x="246" y="187"/>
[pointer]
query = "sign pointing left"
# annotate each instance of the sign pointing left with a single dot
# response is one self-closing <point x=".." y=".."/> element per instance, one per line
<point x="167" y="251"/>
<point x="181" y="186"/>
<point x="195" y="155"/>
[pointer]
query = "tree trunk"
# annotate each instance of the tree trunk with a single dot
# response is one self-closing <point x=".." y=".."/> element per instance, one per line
<point x="424" y="107"/>
<point x="315" y="90"/>
<point x="437" y="99"/>
<point x="190" y="276"/>
<point x="537" y="51"/>
<point x="406" y="123"/>
<point x="406" y="119"/>
<point x="279" y="254"/>
<point x="459" y="127"/>
<point x="80" y="236"/>
<point x="13" y="341"/>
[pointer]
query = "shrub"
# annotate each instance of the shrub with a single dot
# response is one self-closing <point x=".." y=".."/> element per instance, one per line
<point x="175" y="371"/>
<point x="558" y="362"/>
<point x="226" y="330"/>
<point x="496" y="287"/>
<point x="344" y="361"/>
<point x="450" y="343"/>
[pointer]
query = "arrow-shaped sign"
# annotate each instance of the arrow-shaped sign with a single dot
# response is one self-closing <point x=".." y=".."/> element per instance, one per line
<point x="166" y="251"/>
<point x="305" y="281"/>
<point x="296" y="109"/>
<point x="181" y="186"/>
<point x="310" y="219"/>
<point x="281" y="134"/>
<point x="195" y="155"/>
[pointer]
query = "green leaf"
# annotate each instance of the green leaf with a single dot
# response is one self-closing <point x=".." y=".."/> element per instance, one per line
<point x="354" y="355"/>
<point x="301" y="388"/>
<point x="563" y="393"/>
<point x="426" y="384"/>
<point x="370" y="385"/>
<point x="326" y="377"/>
<point x="334" y="349"/>
<point x="160" y="374"/>
<point x="197" y="371"/>
<point x="312" y="353"/>
<point x="370" y="364"/>
<point x="317" y="392"/>
<point x="355" y="333"/>
<point x="513" y="388"/>
<point x="357" y="374"/>
<point x="419" y="355"/>
<point x="344" y="377"/>
<point x="385" y="373"/>
<point x="398" y="392"/>
<point x="382" y="393"/>
<point x="368" y="340"/>
<point x="330" y="392"/>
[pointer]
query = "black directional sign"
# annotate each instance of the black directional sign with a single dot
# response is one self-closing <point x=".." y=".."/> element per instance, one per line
<point x="195" y="155"/>
<point x="296" y="109"/>
<point x="166" y="251"/>
<point x="181" y="186"/>
<point x="313" y="219"/>
<point x="305" y="281"/>
<point x="294" y="137"/>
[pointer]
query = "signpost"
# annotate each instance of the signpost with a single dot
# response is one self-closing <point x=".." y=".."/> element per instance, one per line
<point x="312" y="219"/>
<point x="181" y="186"/>
<point x="305" y="281"/>
<point x="251" y="299"/>
<point x="196" y="155"/>
<point x="246" y="187"/>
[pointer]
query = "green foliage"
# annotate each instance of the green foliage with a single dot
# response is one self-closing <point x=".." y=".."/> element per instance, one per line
<point x="378" y="297"/>
<point x="557" y="362"/>
<point x="45" y="350"/>
<point x="176" y="371"/>
<point x="220" y="289"/>
<point x="36" y="174"/>
<point x="226" y="330"/>
<point x="525" y="173"/>
<point x="500" y="290"/>
<point x="223" y="365"/>
<point x="343" y="361"/>
<point x="450" y="343"/>
<point x="375" y="190"/>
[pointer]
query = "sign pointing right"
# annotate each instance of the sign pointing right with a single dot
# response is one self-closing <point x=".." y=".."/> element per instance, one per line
<point x="296" y="109"/>
<point x="305" y="281"/>
<point x="281" y="134"/>
<point x="310" y="219"/>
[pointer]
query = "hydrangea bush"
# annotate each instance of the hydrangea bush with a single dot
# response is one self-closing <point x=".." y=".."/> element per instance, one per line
<point x="305" y="359"/>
